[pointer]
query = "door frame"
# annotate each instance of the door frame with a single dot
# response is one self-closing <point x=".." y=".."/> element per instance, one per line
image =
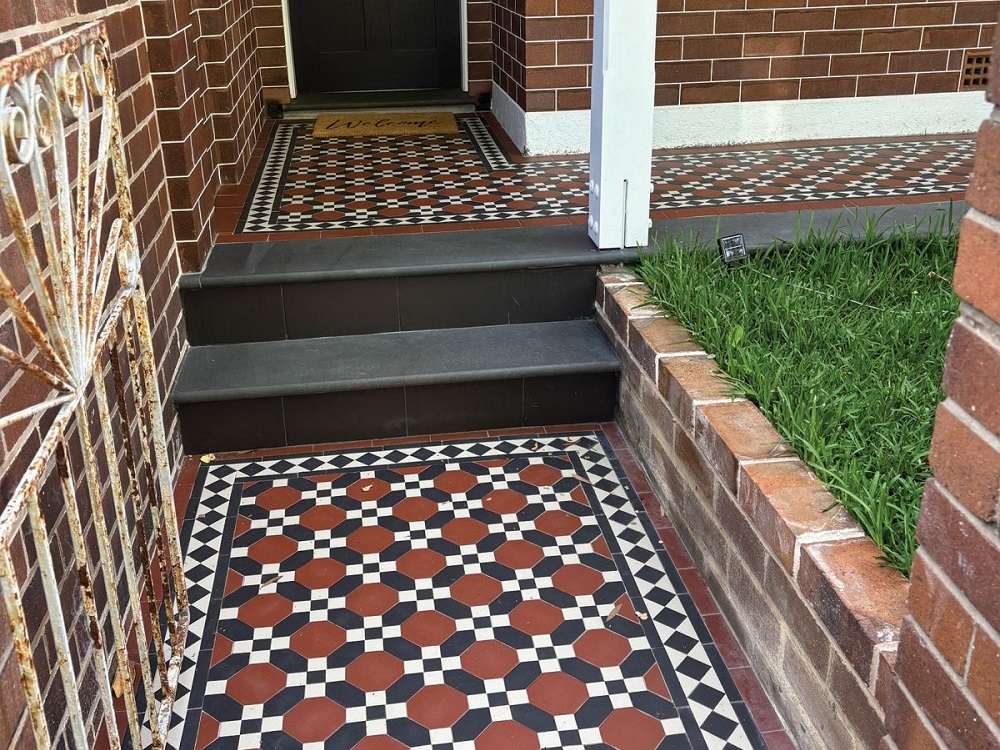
<point x="293" y="91"/>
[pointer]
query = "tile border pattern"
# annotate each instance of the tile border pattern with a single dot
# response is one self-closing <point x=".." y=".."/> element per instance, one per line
<point x="430" y="193"/>
<point x="703" y="691"/>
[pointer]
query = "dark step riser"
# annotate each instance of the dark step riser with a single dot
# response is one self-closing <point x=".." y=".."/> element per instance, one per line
<point x="226" y="315"/>
<point x="412" y="410"/>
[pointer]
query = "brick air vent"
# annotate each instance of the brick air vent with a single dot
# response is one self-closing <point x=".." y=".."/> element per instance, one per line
<point x="976" y="71"/>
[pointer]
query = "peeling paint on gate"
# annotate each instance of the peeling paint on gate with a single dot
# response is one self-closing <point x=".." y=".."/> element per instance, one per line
<point x="50" y="96"/>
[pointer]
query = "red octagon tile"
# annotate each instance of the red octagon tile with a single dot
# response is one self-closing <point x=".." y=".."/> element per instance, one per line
<point x="265" y="610"/>
<point x="540" y="475"/>
<point x="316" y="640"/>
<point x="420" y="563"/>
<point x="278" y="498"/>
<point x="413" y="509"/>
<point x="372" y="599"/>
<point x="505" y="735"/>
<point x="536" y="617"/>
<point x="464" y="531"/>
<point x="322" y="517"/>
<point x="320" y="573"/>
<point x="428" y="628"/>
<point x="518" y="553"/>
<point x="455" y="481"/>
<point x="436" y="706"/>
<point x="577" y="580"/>
<point x="314" y="719"/>
<point x="505" y="501"/>
<point x="475" y="589"/>
<point x="375" y="670"/>
<point x="489" y="659"/>
<point x="557" y="523"/>
<point x="557" y="693"/>
<point x="631" y="729"/>
<point x="369" y="540"/>
<point x="368" y="489"/>
<point x="272" y="549"/>
<point x="602" y="648"/>
<point x="255" y="683"/>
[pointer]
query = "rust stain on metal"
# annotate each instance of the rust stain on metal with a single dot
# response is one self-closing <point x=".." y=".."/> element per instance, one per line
<point x="69" y="80"/>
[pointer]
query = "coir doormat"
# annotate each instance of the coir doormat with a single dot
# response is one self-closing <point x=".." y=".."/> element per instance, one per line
<point x="341" y="124"/>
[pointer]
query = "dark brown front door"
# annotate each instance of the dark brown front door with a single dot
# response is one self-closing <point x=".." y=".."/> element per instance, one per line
<point x="375" y="45"/>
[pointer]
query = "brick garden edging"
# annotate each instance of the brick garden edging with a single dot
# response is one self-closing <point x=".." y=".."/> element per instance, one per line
<point x="817" y="614"/>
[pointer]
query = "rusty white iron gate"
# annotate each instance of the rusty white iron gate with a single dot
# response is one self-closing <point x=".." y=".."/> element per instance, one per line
<point x="51" y="98"/>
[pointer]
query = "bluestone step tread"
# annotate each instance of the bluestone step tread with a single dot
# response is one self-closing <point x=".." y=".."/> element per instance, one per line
<point x="385" y="360"/>
<point x="395" y="255"/>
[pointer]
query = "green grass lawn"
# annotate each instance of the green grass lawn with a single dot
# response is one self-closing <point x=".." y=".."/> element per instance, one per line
<point x="841" y="344"/>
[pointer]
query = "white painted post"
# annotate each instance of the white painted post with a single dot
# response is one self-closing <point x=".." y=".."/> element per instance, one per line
<point x="621" y="122"/>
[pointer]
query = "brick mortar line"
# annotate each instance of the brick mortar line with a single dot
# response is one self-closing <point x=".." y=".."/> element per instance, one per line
<point x="973" y="702"/>
<point x="881" y="648"/>
<point x="980" y="324"/>
<point x="819" y="537"/>
<point x="970" y="609"/>
<point x="151" y="37"/>
<point x="75" y="19"/>
<point x="972" y="423"/>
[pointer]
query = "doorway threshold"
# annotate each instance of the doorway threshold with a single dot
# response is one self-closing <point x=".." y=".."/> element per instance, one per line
<point x="448" y="100"/>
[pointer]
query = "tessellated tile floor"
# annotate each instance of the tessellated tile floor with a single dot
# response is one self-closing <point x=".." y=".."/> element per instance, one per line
<point x="307" y="184"/>
<point x="499" y="590"/>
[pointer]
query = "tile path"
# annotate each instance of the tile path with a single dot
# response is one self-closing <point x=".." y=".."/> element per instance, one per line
<point x="307" y="184"/>
<point x="512" y="589"/>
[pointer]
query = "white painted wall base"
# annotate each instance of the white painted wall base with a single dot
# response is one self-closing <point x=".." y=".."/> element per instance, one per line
<point x="755" y="122"/>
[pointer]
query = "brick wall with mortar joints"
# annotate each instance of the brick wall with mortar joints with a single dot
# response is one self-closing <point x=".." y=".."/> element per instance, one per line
<point x="21" y="26"/>
<point x="754" y="520"/>
<point x="208" y="88"/>
<point x="753" y="50"/>
<point x="947" y="691"/>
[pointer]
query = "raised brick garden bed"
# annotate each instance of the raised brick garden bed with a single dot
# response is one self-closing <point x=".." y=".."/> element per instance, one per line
<point x="817" y="613"/>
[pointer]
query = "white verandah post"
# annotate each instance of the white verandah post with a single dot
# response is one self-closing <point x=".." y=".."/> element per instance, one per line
<point x="621" y="122"/>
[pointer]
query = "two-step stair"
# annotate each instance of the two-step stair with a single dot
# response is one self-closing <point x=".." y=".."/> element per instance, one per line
<point x="308" y="341"/>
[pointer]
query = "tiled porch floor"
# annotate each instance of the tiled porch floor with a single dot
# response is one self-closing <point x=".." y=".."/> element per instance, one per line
<point x="336" y="186"/>
<point x="515" y="589"/>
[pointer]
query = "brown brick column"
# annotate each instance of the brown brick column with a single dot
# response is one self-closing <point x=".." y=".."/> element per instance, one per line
<point x="207" y="82"/>
<point x="947" y="692"/>
<point x="173" y="30"/>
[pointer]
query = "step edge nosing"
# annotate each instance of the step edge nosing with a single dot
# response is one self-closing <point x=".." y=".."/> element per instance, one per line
<point x="310" y="389"/>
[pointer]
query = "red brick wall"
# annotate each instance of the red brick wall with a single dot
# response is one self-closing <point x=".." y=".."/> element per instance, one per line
<point x="747" y="50"/>
<point x="22" y="24"/>
<point x="208" y="83"/>
<point x="948" y="689"/>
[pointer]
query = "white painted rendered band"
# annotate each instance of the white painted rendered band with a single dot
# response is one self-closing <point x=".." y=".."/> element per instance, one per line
<point x="623" y="84"/>
<point x="756" y="122"/>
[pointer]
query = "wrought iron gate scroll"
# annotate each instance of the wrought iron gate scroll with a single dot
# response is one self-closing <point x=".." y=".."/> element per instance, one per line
<point x="82" y="322"/>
